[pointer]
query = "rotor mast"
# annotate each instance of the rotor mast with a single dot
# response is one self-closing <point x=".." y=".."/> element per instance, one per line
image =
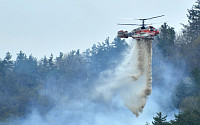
<point x="143" y="23"/>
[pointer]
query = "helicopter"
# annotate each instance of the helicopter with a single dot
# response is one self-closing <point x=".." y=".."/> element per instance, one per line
<point x="146" y="31"/>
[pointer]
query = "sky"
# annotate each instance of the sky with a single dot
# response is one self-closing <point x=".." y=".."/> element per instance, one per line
<point x="42" y="27"/>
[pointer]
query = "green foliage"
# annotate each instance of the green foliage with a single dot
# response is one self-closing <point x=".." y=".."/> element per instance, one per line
<point x="190" y="53"/>
<point x="192" y="30"/>
<point x="160" y="119"/>
<point x="183" y="90"/>
<point x="187" y="118"/>
<point x="166" y="39"/>
<point x="191" y="103"/>
<point x="196" y="76"/>
<point x="183" y="52"/>
<point x="21" y="80"/>
<point x="103" y="55"/>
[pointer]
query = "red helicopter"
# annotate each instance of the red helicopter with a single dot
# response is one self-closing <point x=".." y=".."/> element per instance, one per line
<point x="143" y="32"/>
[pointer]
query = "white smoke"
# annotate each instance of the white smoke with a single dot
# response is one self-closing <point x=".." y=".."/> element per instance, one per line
<point x="128" y="85"/>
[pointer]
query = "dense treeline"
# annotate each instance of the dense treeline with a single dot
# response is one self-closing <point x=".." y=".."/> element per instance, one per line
<point x="21" y="79"/>
<point x="182" y="51"/>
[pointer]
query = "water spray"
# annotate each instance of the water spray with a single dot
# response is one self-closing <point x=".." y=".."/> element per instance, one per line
<point x="132" y="79"/>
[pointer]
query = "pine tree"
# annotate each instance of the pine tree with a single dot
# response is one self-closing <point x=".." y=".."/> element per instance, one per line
<point x="51" y="63"/>
<point x="60" y="62"/>
<point x="192" y="30"/>
<point x="160" y="120"/>
<point x="6" y="68"/>
<point x="166" y="39"/>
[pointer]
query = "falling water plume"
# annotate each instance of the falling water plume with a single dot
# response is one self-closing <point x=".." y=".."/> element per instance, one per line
<point x="144" y="59"/>
<point x="132" y="79"/>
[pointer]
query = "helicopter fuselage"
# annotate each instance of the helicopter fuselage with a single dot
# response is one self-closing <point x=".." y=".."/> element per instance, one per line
<point x="140" y="33"/>
<point x="143" y="32"/>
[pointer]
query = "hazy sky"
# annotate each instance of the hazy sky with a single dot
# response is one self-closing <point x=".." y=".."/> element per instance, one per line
<point x="42" y="27"/>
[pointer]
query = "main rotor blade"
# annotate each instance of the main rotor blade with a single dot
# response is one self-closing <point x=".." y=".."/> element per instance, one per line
<point x="151" y="17"/>
<point x="154" y="17"/>
<point x="128" y="24"/>
<point x="160" y="22"/>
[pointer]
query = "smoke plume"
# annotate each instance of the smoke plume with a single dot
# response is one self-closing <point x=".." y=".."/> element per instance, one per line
<point x="116" y="94"/>
<point x="132" y="79"/>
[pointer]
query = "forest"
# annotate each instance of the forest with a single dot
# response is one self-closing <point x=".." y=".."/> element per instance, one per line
<point x="73" y="73"/>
